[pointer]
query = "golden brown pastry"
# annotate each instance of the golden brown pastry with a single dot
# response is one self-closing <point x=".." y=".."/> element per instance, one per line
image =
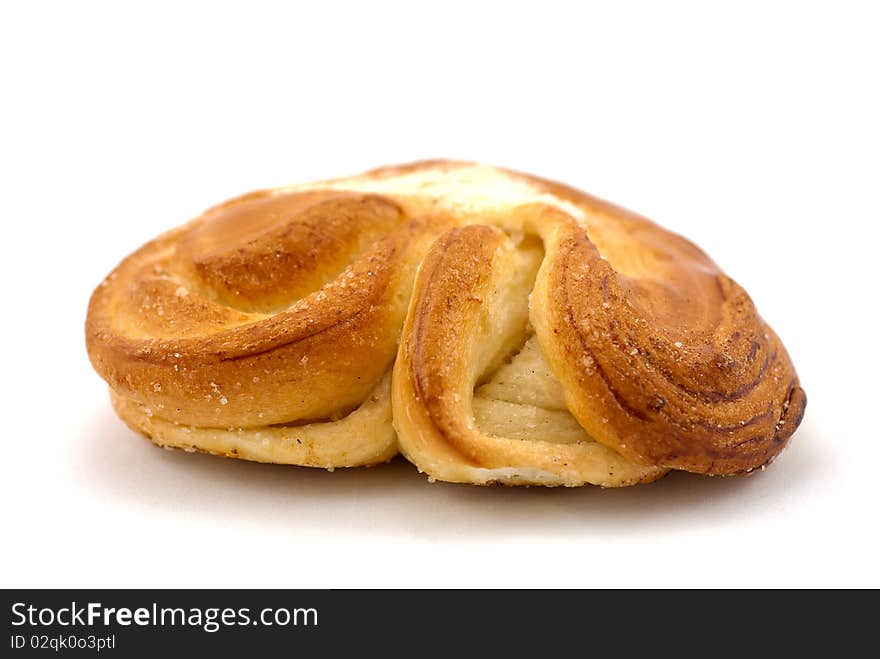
<point x="490" y="325"/>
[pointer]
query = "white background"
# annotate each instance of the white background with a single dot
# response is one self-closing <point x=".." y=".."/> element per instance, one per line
<point x="752" y="129"/>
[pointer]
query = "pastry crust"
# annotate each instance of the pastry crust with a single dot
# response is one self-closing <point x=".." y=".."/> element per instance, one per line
<point x="537" y="335"/>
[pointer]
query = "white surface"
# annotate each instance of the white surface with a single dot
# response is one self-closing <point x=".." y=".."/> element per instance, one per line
<point x="752" y="130"/>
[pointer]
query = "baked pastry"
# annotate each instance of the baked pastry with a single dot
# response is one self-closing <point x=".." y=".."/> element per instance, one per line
<point x="490" y="325"/>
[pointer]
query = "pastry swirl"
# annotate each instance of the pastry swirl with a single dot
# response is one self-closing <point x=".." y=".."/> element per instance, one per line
<point x="490" y="325"/>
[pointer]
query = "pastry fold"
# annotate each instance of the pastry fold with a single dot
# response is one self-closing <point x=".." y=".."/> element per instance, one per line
<point x="490" y="325"/>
